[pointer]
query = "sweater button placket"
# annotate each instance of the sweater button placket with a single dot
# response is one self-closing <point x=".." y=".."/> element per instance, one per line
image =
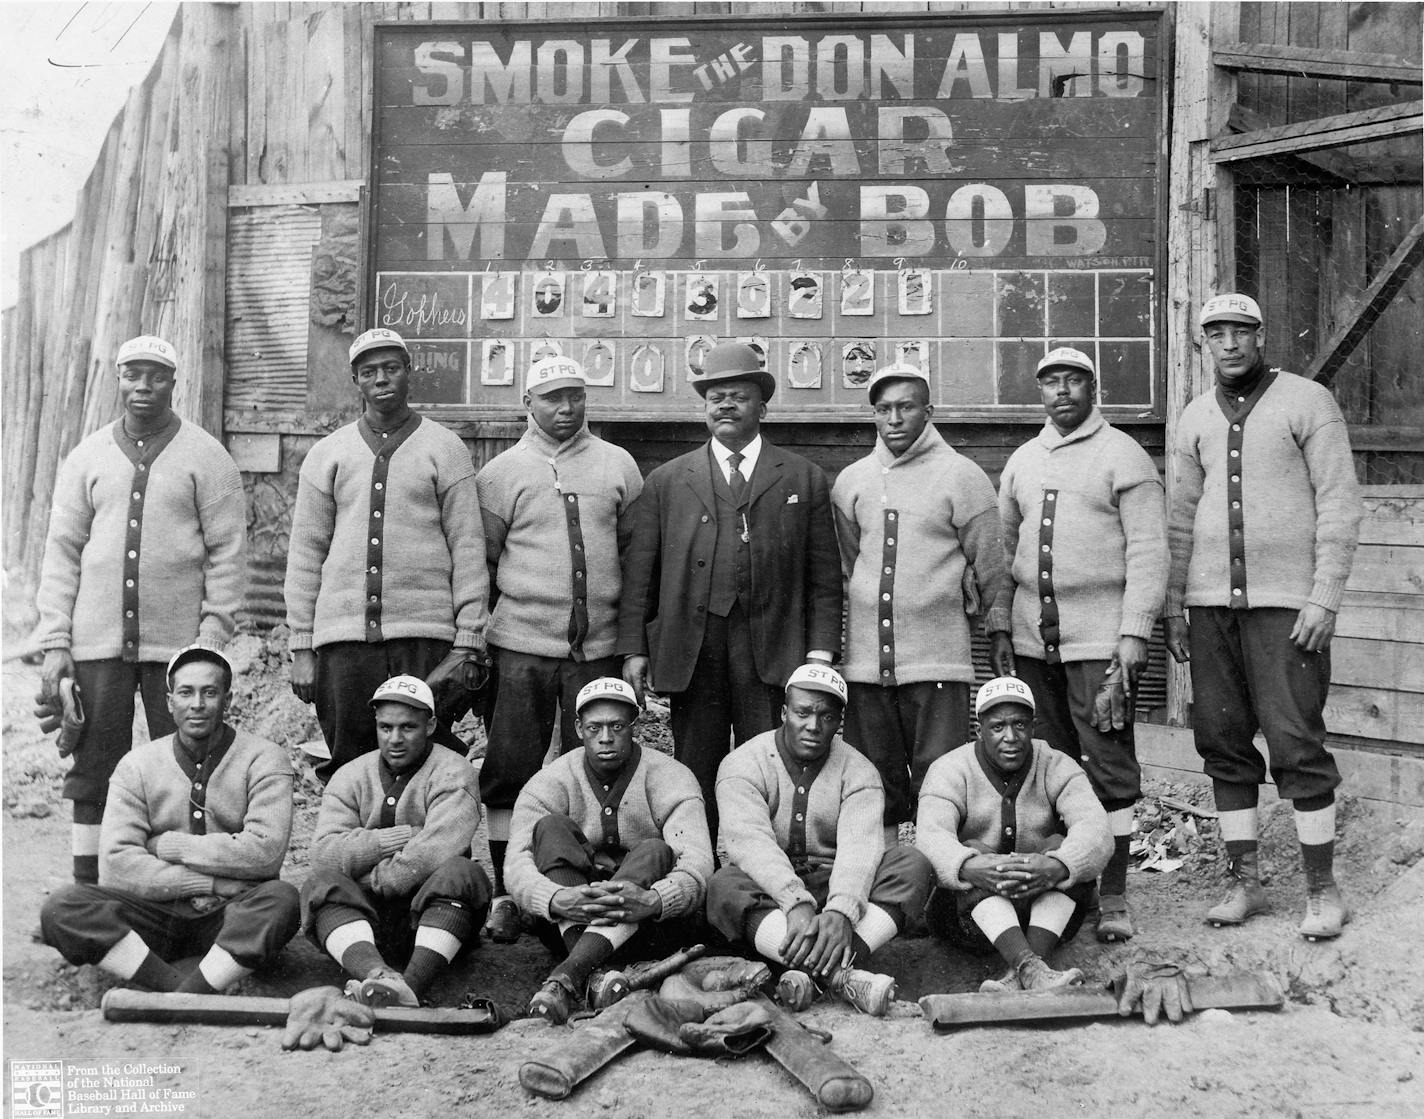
<point x="373" y="548"/>
<point x="886" y="609"/>
<point x="1048" y="619"/>
<point x="1235" y="518"/>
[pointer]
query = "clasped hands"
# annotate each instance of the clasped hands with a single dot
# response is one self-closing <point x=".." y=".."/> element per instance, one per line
<point x="606" y="903"/>
<point x="1019" y="876"/>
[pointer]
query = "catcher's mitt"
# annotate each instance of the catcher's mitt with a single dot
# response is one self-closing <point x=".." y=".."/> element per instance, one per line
<point x="716" y="982"/>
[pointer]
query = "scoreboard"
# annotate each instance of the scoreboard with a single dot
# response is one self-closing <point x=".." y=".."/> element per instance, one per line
<point x="959" y="192"/>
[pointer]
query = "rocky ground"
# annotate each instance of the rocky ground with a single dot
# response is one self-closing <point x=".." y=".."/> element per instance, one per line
<point x="1350" y="1040"/>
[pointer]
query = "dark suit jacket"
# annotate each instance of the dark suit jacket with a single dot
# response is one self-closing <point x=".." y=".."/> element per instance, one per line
<point x="667" y="570"/>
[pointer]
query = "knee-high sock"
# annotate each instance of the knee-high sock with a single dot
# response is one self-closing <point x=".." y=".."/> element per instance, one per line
<point x="999" y="923"/>
<point x="593" y="946"/>
<point x="767" y="933"/>
<point x="84" y="840"/>
<point x="353" y="946"/>
<point x="1240" y="830"/>
<point x="444" y="927"/>
<point x="1114" y="877"/>
<point x="497" y="820"/>
<point x="1316" y="831"/>
<point x="1048" y="917"/>
<point x="877" y="928"/>
<point x="215" y="972"/>
<point x="131" y="958"/>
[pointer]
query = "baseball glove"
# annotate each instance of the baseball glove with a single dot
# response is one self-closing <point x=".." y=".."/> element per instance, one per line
<point x="65" y="715"/>
<point x="322" y="1016"/>
<point x="1112" y="703"/>
<point x="1155" y="989"/>
<point x="716" y="982"/>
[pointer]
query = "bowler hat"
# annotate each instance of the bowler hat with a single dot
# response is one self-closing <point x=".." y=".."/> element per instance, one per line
<point x="733" y="361"/>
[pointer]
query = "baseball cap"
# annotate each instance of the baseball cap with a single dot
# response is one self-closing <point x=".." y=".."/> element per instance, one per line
<point x="819" y="678"/>
<point x="550" y="373"/>
<point x="148" y="347"/>
<point x="1066" y="357"/>
<point x="1231" y="307"/>
<point x="1002" y="689"/>
<point x="898" y="371"/>
<point x="606" y="687"/>
<point x="733" y="361"/>
<point x="378" y="338"/>
<point x="410" y="690"/>
<point x="192" y="653"/>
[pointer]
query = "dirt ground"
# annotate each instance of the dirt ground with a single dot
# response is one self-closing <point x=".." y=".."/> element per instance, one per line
<point x="1350" y="1041"/>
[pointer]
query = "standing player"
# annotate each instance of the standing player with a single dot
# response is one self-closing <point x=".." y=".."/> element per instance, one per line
<point x="386" y="569"/>
<point x="730" y="579"/>
<point x="145" y="555"/>
<point x="1086" y="533"/>
<point x="391" y="868"/>
<point x="555" y="518"/>
<point x="1265" y="518"/>
<point x="912" y="517"/>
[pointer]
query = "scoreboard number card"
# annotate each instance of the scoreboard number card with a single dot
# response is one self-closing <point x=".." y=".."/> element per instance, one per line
<point x="698" y="347"/>
<point x="857" y="293"/>
<point x="548" y="295"/>
<point x="600" y="294"/>
<point x="645" y="372"/>
<point x="916" y="292"/>
<point x="857" y="362"/>
<point x="914" y="351"/>
<point x="545" y="347"/>
<point x="702" y="297"/>
<point x="497" y="296"/>
<point x="599" y="359"/>
<point x="803" y="365"/>
<point x="806" y="296"/>
<point x="649" y="293"/>
<point x="754" y="296"/>
<point x="496" y="362"/>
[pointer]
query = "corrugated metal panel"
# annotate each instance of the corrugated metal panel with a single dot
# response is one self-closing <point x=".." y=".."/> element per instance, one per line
<point x="269" y="305"/>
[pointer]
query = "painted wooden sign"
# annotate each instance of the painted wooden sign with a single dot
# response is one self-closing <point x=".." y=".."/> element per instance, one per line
<point x="961" y="192"/>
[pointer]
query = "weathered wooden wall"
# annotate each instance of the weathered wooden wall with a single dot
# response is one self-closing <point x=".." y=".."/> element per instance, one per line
<point x="144" y="254"/>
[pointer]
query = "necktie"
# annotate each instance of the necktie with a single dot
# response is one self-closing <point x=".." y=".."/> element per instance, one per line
<point x="735" y="480"/>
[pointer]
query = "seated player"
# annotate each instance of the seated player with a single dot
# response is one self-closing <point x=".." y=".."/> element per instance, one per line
<point x="607" y="844"/>
<point x="991" y="820"/>
<point x="392" y="877"/>
<point x="808" y="881"/>
<point x="194" y="832"/>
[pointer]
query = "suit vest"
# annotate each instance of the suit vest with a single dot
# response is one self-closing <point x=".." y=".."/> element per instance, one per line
<point x="732" y="560"/>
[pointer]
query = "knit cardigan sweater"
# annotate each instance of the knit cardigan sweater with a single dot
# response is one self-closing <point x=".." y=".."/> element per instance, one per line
<point x="923" y="515"/>
<point x="147" y="843"/>
<point x="431" y="558"/>
<point x="1301" y="507"/>
<point x="192" y="542"/>
<point x="527" y="496"/>
<point x="662" y="801"/>
<point x="844" y="804"/>
<point x="961" y="804"/>
<point x="436" y="816"/>
<point x="1107" y="548"/>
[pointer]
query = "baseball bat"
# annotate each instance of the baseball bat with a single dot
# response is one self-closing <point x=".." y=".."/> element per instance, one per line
<point x="122" y="1004"/>
<point x="606" y="987"/>
<point x="577" y="1054"/>
<point x="1235" y="990"/>
<point x="832" y="1081"/>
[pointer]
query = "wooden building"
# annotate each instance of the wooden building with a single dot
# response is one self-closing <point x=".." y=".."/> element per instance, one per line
<point x="841" y="183"/>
